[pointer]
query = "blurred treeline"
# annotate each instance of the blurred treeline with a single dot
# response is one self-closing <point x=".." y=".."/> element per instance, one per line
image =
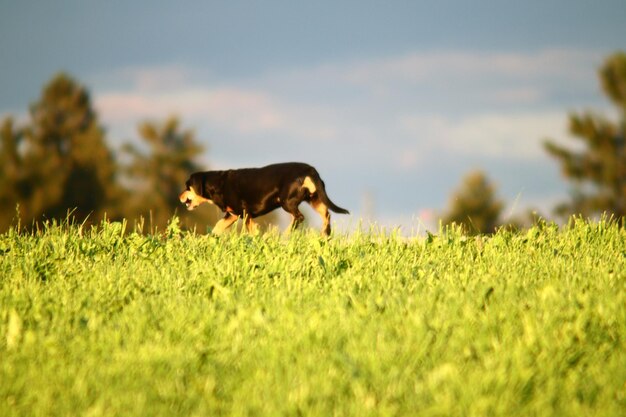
<point x="596" y="167"/>
<point x="58" y="165"/>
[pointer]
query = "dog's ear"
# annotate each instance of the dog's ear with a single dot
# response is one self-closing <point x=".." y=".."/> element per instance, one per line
<point x="197" y="183"/>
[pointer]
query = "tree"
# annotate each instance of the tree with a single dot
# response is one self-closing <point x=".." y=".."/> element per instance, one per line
<point x="59" y="161"/>
<point x="12" y="173"/>
<point x="474" y="205"/>
<point x="599" y="169"/>
<point x="158" y="176"/>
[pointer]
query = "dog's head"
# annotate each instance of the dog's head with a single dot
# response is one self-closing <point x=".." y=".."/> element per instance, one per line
<point x="193" y="195"/>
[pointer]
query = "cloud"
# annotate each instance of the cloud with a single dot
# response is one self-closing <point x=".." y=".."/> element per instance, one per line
<point x="340" y="100"/>
<point x="240" y="111"/>
<point x="518" y="95"/>
<point x="516" y="135"/>
<point x="502" y="77"/>
<point x="462" y="67"/>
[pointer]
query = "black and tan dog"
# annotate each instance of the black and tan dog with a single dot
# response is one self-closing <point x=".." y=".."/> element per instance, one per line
<point x="252" y="192"/>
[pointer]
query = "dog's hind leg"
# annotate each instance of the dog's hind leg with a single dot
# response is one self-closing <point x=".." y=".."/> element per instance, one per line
<point x="296" y="220"/>
<point x="297" y="217"/>
<point x="324" y="213"/>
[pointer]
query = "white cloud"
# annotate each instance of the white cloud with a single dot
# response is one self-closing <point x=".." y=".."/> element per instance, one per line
<point x="503" y="77"/>
<point x="494" y="135"/>
<point x="227" y="108"/>
<point x="420" y="67"/>
<point x="154" y="79"/>
<point x="496" y="95"/>
<point x="518" y="95"/>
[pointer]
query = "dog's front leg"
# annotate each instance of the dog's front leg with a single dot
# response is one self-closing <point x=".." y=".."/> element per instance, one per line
<point x="251" y="225"/>
<point x="224" y="223"/>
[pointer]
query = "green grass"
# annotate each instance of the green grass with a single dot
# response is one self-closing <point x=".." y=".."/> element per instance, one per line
<point x="103" y="322"/>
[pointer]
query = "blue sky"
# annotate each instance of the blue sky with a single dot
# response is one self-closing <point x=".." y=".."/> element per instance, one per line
<point x="393" y="101"/>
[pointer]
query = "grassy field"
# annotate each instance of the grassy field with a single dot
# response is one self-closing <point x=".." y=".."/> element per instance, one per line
<point x="106" y="322"/>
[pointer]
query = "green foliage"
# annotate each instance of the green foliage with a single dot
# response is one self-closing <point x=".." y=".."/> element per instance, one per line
<point x="13" y="181"/>
<point x="109" y="321"/>
<point x="598" y="170"/>
<point x="613" y="79"/>
<point x="158" y="174"/>
<point x="474" y="205"/>
<point x="59" y="161"/>
<point x="70" y="158"/>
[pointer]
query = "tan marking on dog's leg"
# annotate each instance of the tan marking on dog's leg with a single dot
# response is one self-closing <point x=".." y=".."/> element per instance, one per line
<point x="251" y="225"/>
<point x="224" y="224"/>
<point x="309" y="185"/>
<point x="323" y="211"/>
<point x="293" y="225"/>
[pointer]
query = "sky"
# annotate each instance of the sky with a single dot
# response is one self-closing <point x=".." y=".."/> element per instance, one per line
<point x="394" y="102"/>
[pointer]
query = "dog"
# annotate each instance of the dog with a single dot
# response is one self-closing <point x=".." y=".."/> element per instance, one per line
<point x="253" y="192"/>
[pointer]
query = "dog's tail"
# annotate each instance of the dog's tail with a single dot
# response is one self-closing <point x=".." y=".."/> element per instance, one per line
<point x="321" y="192"/>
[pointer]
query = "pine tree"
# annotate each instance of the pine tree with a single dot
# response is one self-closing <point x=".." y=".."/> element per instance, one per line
<point x="12" y="186"/>
<point x="599" y="169"/>
<point x="60" y="161"/>
<point x="158" y="176"/>
<point x="68" y="156"/>
<point x="474" y="205"/>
